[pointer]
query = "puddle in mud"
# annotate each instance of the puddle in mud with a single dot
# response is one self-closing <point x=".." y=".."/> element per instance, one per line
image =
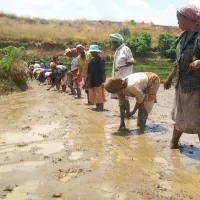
<point x="24" y="192"/>
<point x="189" y="158"/>
<point x="48" y="148"/>
<point x="150" y="128"/>
<point x="45" y="148"/>
<point x="25" y="166"/>
<point x="41" y="129"/>
<point x="28" y="137"/>
<point x="17" y="137"/>
<point x="75" y="155"/>
<point x="112" y="129"/>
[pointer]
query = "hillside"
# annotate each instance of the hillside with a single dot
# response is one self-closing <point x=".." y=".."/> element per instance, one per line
<point x="51" y="34"/>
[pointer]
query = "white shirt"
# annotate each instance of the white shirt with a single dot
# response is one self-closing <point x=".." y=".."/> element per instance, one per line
<point x="36" y="65"/>
<point x="137" y="83"/>
<point x="122" y="55"/>
<point x="74" y="64"/>
<point x="60" y="68"/>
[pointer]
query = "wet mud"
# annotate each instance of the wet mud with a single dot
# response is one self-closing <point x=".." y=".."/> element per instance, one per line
<point x="53" y="146"/>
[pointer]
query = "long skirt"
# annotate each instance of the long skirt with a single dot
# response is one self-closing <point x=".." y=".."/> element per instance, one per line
<point x="97" y="95"/>
<point x="186" y="111"/>
<point x="151" y="92"/>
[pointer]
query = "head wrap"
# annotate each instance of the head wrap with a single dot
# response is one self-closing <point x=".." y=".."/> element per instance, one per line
<point x="68" y="50"/>
<point x="74" y="52"/>
<point x="191" y="12"/>
<point x="52" y="64"/>
<point x="116" y="37"/>
<point x="113" y="83"/>
<point x="80" y="46"/>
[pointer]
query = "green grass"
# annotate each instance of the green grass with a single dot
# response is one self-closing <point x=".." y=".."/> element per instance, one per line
<point x="162" y="68"/>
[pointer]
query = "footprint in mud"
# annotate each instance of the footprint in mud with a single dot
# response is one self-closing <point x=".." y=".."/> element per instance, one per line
<point x="66" y="175"/>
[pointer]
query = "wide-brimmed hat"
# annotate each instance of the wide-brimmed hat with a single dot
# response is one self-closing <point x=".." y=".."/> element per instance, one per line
<point x="94" y="48"/>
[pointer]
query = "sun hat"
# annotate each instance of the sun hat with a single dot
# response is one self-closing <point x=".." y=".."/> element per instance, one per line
<point x="94" y="48"/>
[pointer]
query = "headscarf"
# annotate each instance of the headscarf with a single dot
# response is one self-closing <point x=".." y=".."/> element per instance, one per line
<point x="116" y="37"/>
<point x="74" y="52"/>
<point x="191" y="12"/>
<point x="114" y="83"/>
<point x="68" y="50"/>
<point x="80" y="46"/>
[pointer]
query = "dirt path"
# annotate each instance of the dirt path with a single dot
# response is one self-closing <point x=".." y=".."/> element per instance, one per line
<point x="53" y="144"/>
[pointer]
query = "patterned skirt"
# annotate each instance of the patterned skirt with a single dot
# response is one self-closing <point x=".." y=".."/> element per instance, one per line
<point x="97" y="95"/>
<point x="186" y="111"/>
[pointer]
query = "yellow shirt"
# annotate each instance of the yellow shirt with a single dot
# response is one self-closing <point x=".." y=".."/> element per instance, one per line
<point x="83" y="64"/>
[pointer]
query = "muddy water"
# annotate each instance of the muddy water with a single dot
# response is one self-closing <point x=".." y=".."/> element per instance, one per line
<point x="52" y="143"/>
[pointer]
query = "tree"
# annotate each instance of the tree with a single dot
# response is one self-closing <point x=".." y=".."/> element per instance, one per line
<point x="125" y="32"/>
<point x="140" y="44"/>
<point x="166" y="45"/>
<point x="133" y="22"/>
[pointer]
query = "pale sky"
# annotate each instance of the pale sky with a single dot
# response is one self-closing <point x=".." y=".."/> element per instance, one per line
<point x="158" y="11"/>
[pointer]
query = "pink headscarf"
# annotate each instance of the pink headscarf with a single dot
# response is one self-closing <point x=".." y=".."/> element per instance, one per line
<point x="191" y="12"/>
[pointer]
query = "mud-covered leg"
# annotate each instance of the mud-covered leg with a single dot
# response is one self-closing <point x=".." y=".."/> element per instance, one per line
<point x="175" y="138"/>
<point x="78" y="93"/>
<point x="122" y="116"/>
<point x="64" y="87"/>
<point x="127" y="107"/>
<point x="199" y="137"/>
<point x="101" y="107"/>
<point x="142" y="119"/>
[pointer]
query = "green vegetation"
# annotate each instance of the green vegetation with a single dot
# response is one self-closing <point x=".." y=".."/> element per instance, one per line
<point x="13" y="70"/>
<point x="140" y="44"/>
<point x="166" y="45"/>
<point x="162" y="68"/>
<point x="125" y="32"/>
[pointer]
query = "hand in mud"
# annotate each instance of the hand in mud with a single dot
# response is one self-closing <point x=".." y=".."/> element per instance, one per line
<point x="122" y="127"/>
<point x="167" y="84"/>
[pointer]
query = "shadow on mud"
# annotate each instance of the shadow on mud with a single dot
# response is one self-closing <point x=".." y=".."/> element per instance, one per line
<point x="150" y="128"/>
<point x="190" y="151"/>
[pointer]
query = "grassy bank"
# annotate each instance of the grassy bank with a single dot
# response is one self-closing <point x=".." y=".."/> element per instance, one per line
<point x="51" y="34"/>
<point x="162" y="68"/>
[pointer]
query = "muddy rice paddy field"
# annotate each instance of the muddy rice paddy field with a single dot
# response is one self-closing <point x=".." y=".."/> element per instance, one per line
<point x="54" y="146"/>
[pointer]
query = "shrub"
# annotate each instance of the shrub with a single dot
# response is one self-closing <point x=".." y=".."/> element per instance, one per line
<point x="125" y="32"/>
<point x="166" y="45"/>
<point x="140" y="44"/>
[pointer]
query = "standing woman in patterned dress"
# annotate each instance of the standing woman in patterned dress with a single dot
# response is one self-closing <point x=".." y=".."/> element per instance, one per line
<point x="186" y="111"/>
